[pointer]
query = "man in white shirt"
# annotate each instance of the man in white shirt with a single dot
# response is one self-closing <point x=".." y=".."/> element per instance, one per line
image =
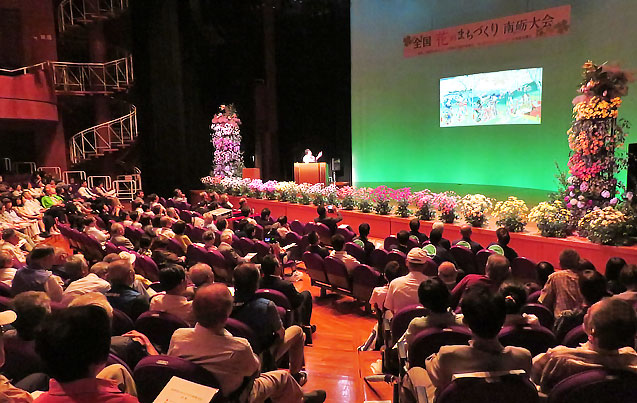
<point x="308" y="157"/>
<point x="83" y="281"/>
<point x="172" y="280"/>
<point x="85" y="192"/>
<point x="230" y="358"/>
<point x="90" y="228"/>
<point x="403" y="291"/>
<point x="165" y="231"/>
<point x="338" y="243"/>
<point x="10" y="245"/>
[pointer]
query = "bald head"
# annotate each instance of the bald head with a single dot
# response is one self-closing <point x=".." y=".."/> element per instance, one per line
<point x="497" y="268"/>
<point x="212" y="305"/>
<point x="120" y="272"/>
<point x="438" y="225"/>
<point x="100" y="269"/>
<point x="226" y="236"/>
<point x="466" y="231"/>
<point x="611" y="323"/>
<point x="117" y="229"/>
<point x="201" y="274"/>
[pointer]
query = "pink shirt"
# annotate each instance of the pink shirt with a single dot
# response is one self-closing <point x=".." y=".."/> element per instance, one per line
<point x="87" y="390"/>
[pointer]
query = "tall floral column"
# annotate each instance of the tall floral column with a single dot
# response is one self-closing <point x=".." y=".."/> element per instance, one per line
<point x="226" y="138"/>
<point x="596" y="139"/>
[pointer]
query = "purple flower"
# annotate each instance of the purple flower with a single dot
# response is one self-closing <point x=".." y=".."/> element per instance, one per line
<point x="571" y="187"/>
<point x="605" y="194"/>
<point x="566" y="199"/>
<point x="583" y="187"/>
<point x="629" y="195"/>
<point x="590" y="203"/>
<point x="571" y="194"/>
<point x="580" y="205"/>
<point x="613" y="201"/>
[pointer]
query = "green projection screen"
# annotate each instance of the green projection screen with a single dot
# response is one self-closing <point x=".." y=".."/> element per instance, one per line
<point x="397" y="136"/>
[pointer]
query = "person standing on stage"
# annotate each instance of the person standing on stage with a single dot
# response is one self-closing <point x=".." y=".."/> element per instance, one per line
<point x="308" y="157"/>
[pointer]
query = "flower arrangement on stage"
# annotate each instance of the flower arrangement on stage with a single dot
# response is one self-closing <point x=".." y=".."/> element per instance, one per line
<point x="226" y="138"/>
<point x="403" y="199"/>
<point x="269" y="188"/>
<point x="287" y="192"/>
<point x="552" y="219"/>
<point x="424" y="202"/>
<point x="305" y="197"/>
<point x="446" y="203"/>
<point x="256" y="188"/>
<point x="474" y="209"/>
<point x="364" y="201"/>
<point x="511" y="214"/>
<point x="603" y="226"/>
<point x="381" y="197"/>
<point x="347" y="194"/>
<point x="318" y="197"/>
<point x="596" y="139"/>
<point x="331" y="194"/>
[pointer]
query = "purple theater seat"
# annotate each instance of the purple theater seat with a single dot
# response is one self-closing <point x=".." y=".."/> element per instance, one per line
<point x="364" y="279"/>
<point x="195" y="233"/>
<point x="281" y="301"/>
<point x="175" y="247"/>
<point x="240" y="329"/>
<point x="390" y="242"/>
<point x="20" y="359"/>
<point x="114" y="359"/>
<point x="258" y="232"/>
<point x="575" y="337"/>
<point x="219" y="265"/>
<point x="324" y="233"/>
<point x="355" y="251"/>
<point x="298" y="227"/>
<point x="337" y="275"/>
<point x="185" y="215"/>
<point x="534" y="296"/>
<point x="244" y="246"/>
<point x="400" y="322"/>
<point x="523" y="269"/>
<point x="596" y="386"/>
<point x="494" y="387"/>
<point x="152" y="373"/>
<point x="296" y="252"/>
<point x="122" y="323"/>
<point x="544" y="315"/>
<point x="159" y="327"/>
<point x="465" y="258"/>
<point x="195" y="254"/>
<point x="430" y="340"/>
<point x="147" y="266"/>
<point x="316" y="269"/>
<point x="378" y="259"/>
<point x="168" y="203"/>
<point x="536" y="339"/>
<point x="347" y="233"/>
<point x="397" y="256"/>
<point x="261" y="248"/>
<point x="481" y="259"/>
<point x="309" y="227"/>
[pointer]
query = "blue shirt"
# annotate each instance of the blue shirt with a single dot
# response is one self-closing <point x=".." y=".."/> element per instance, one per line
<point x="30" y="278"/>
<point x="261" y="316"/>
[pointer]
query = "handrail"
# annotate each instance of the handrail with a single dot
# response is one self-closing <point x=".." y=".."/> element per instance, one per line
<point x="75" y="12"/>
<point x="107" y="136"/>
<point x="22" y="70"/>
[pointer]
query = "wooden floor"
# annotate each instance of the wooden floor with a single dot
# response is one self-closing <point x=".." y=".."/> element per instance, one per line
<point x="333" y="362"/>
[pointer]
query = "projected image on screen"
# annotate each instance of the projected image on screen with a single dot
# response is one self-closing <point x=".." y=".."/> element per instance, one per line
<point x="512" y="97"/>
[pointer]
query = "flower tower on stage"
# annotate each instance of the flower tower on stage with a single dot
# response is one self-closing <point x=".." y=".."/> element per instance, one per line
<point x="226" y="138"/>
<point x="596" y="140"/>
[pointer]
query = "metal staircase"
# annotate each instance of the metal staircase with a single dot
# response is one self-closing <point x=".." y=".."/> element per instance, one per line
<point x="73" y="13"/>
<point x="93" y="78"/>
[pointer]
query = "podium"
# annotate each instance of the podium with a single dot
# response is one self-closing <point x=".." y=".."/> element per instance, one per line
<point x="313" y="172"/>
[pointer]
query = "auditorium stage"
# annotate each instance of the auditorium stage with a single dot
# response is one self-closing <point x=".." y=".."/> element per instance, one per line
<point x="528" y="244"/>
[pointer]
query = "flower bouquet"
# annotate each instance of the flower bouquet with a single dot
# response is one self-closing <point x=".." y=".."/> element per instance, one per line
<point x="287" y="192"/>
<point x="347" y="196"/>
<point x="256" y="188"/>
<point x="552" y="219"/>
<point x="363" y="197"/>
<point x="604" y="226"/>
<point x="403" y="198"/>
<point x="511" y="214"/>
<point x="213" y="183"/>
<point x="226" y="138"/>
<point x="331" y="194"/>
<point x="381" y="197"/>
<point x="446" y="203"/>
<point x="269" y="188"/>
<point x="474" y="209"/>
<point x="424" y="203"/>
<point x="305" y="197"/>
<point x="318" y="197"/>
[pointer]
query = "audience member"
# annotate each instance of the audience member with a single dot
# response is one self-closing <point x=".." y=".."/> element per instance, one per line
<point x="263" y="318"/>
<point x="229" y="253"/>
<point x="82" y="281"/>
<point x="611" y="326"/>
<point x="434" y="295"/>
<point x="390" y="272"/>
<point x="165" y="231"/>
<point x="496" y="271"/>
<point x="439" y="226"/>
<point x="503" y="241"/>
<point x="208" y="239"/>
<point x="37" y="275"/>
<point x="414" y="231"/>
<point x="593" y="287"/>
<point x="201" y="274"/>
<point x="11" y="246"/>
<point x="544" y="270"/>
<point x="514" y="299"/>
<point x="448" y="273"/>
<point x="338" y="243"/>
<point x="179" y="228"/>
<point x="628" y="279"/>
<point x="90" y="228"/>
<point x="264" y="219"/>
<point x="230" y="358"/>
<point x="7" y="271"/>
<point x="8" y="392"/>
<point x="466" y="240"/>
<point x="561" y="291"/>
<point x="282" y="227"/>
<point x="363" y="241"/>
<point x="484" y="312"/>
<point x="403" y="240"/>
<point x="118" y="238"/>
<point x="31" y="307"/>
<point x="74" y="344"/>
<point x="435" y="250"/>
<point x="315" y="246"/>
<point x="403" y="291"/>
<point x="172" y="280"/>
<point x="331" y="222"/>
<point x="122" y="295"/>
<point x="614" y="266"/>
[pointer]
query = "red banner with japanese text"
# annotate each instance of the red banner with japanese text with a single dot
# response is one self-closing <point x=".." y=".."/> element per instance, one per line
<point x="535" y="24"/>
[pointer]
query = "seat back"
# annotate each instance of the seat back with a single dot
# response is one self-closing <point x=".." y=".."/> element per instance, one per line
<point x="275" y="296"/>
<point x="20" y="359"/>
<point x="378" y="259"/>
<point x="240" y="329"/>
<point x="598" y="385"/>
<point x="489" y="387"/>
<point x="196" y="234"/>
<point x="534" y="296"/>
<point x="575" y="337"/>
<point x="544" y="315"/>
<point x="400" y="322"/>
<point x="298" y="227"/>
<point x="195" y="254"/>
<point x="536" y="339"/>
<point x="147" y="266"/>
<point x="523" y="269"/>
<point x="244" y="246"/>
<point x="152" y="374"/>
<point x="258" y="232"/>
<point x="296" y="252"/>
<point x="175" y="247"/>
<point x="261" y="248"/>
<point x="337" y="273"/>
<point x="390" y="242"/>
<point x="347" y="233"/>
<point x="364" y="279"/>
<point x="481" y="259"/>
<point x="324" y="233"/>
<point x="159" y="327"/>
<point x="122" y="323"/>
<point x="397" y="256"/>
<point x="355" y="251"/>
<point x="315" y="267"/>
<point x="465" y="258"/>
<point x="218" y="263"/>
<point x="430" y="340"/>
